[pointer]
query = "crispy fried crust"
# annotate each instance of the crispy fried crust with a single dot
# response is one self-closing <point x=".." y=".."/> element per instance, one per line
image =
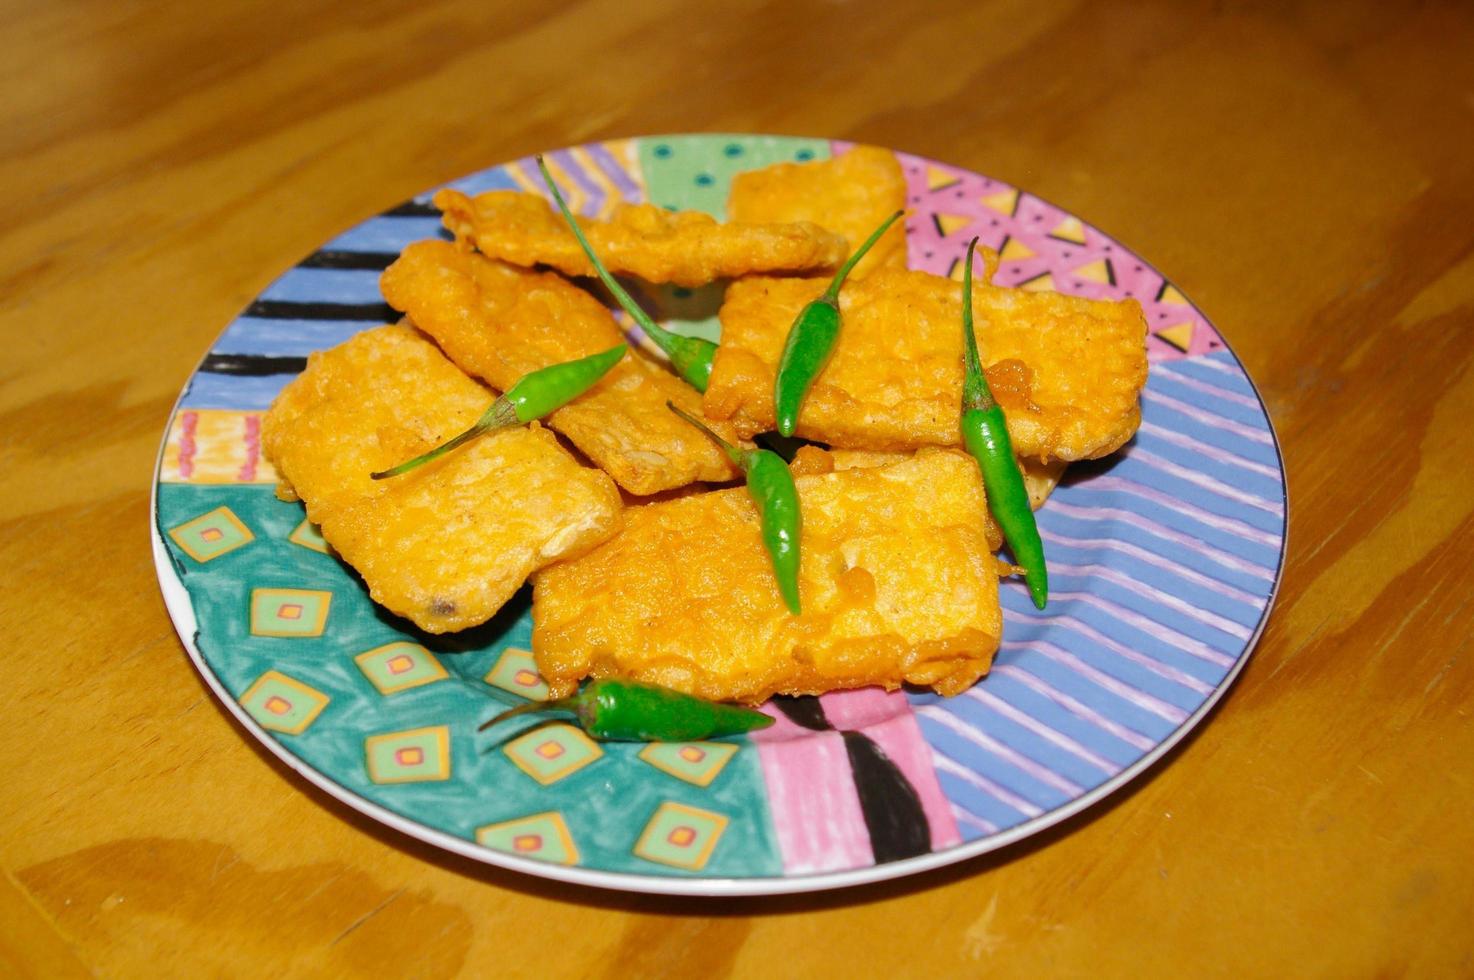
<point x="447" y="544"/>
<point x="898" y="585"/>
<point x="850" y="194"/>
<point x="687" y="248"/>
<point x="813" y="461"/>
<point x="1040" y="478"/>
<point x="1068" y="371"/>
<point x="500" y="322"/>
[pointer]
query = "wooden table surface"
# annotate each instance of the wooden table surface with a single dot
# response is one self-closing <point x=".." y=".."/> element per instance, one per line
<point x="1304" y="171"/>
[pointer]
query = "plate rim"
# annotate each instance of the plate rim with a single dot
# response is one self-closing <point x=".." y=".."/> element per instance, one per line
<point x="181" y="614"/>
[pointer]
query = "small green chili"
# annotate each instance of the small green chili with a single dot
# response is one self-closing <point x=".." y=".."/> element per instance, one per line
<point x="628" y="711"/>
<point x="690" y="356"/>
<point x="770" y="484"/>
<point x="985" y="433"/>
<point x="534" y="396"/>
<point x="811" y="340"/>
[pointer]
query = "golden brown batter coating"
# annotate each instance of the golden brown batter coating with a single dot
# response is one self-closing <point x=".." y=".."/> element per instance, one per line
<point x="1040" y="479"/>
<point x="898" y="584"/>
<point x="813" y="461"/>
<point x="850" y="194"/>
<point x="1068" y="371"/>
<point x="444" y="545"/>
<point x="687" y="248"/>
<point x="500" y="322"/>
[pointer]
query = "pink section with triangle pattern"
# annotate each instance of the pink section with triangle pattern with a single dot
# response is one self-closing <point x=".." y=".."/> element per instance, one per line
<point x="1041" y="247"/>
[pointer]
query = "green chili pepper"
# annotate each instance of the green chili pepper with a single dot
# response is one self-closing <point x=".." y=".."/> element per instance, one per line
<point x="811" y="340"/>
<point x="690" y="356"/>
<point x="534" y="396"/>
<point x="627" y="711"/>
<point x="770" y="484"/>
<point x="985" y="432"/>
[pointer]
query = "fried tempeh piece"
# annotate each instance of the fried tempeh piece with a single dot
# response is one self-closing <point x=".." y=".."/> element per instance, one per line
<point x="688" y="248"/>
<point x="850" y="194"/>
<point x="1068" y="371"/>
<point x="898" y="585"/>
<point x="813" y="461"/>
<point x="1040" y="479"/>
<point x="500" y="322"/>
<point x="444" y="545"/>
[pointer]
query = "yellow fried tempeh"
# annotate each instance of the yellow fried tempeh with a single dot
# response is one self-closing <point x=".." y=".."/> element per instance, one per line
<point x="501" y="322"/>
<point x="850" y="194"/>
<point x="1068" y="371"/>
<point x="688" y="248"/>
<point x="1040" y="479"/>
<point x="898" y="584"/>
<point x="444" y="545"/>
<point x="811" y="461"/>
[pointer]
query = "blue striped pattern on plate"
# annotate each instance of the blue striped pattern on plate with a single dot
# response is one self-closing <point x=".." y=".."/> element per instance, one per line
<point x="1162" y="560"/>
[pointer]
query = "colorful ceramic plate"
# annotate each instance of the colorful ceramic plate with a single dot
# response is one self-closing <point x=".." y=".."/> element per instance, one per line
<point x="1164" y="562"/>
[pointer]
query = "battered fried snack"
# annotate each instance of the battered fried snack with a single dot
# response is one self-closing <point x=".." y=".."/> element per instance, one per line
<point x="813" y="461"/>
<point x="849" y="194"/>
<point x="1068" y="371"/>
<point x="687" y="248"/>
<point x="444" y="545"/>
<point x="500" y="322"/>
<point x="898" y="585"/>
<point x="1040" y="479"/>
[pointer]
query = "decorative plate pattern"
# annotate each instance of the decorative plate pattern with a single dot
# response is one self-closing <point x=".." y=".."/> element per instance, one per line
<point x="1164" y="560"/>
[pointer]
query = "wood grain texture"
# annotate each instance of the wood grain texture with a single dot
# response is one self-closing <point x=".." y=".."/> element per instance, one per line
<point x="1304" y="171"/>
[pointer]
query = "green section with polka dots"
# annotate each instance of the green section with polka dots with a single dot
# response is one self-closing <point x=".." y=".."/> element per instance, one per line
<point x="693" y="173"/>
<point x="692" y="312"/>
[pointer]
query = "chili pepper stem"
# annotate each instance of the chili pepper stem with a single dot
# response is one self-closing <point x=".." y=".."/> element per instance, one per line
<point x="501" y="415"/>
<point x="831" y="295"/>
<point x="531" y="707"/>
<point x="619" y="292"/>
<point x="691" y="356"/>
<point x="975" y="390"/>
<point x="535" y="395"/>
<point x="733" y="453"/>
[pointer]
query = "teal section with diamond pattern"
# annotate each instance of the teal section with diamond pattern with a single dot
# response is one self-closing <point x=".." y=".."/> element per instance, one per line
<point x="391" y="713"/>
